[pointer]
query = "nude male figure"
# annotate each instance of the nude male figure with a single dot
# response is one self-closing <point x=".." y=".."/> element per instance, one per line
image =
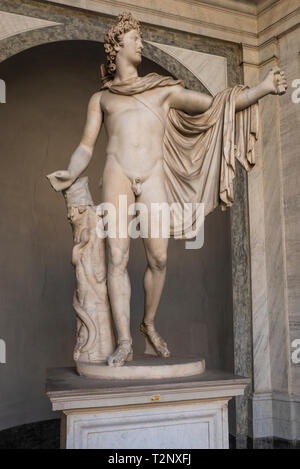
<point x="134" y="167"/>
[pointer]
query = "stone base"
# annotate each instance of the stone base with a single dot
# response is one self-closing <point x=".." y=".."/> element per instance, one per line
<point x="184" y="425"/>
<point x="180" y="413"/>
<point x="275" y="416"/>
<point x="144" y="367"/>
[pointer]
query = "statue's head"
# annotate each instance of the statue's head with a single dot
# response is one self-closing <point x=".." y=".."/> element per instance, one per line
<point x="125" y="38"/>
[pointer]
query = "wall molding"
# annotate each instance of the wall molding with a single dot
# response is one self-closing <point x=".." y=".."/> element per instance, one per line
<point x="276" y="415"/>
<point x="254" y="28"/>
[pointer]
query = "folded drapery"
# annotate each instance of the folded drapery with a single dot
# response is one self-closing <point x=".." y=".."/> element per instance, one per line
<point x="199" y="151"/>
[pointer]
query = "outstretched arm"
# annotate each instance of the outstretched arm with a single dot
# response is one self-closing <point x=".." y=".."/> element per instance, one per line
<point x="193" y="102"/>
<point x="274" y="83"/>
<point x="80" y="159"/>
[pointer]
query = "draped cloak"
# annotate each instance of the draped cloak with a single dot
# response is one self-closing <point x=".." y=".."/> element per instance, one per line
<point x="199" y="151"/>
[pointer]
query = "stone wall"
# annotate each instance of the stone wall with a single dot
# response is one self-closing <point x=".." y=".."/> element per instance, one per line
<point x="274" y="230"/>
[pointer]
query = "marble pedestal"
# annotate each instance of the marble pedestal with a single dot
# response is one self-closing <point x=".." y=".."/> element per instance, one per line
<point x="181" y="413"/>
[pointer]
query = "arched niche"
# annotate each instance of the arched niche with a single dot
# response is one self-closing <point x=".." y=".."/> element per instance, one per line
<point x="200" y="317"/>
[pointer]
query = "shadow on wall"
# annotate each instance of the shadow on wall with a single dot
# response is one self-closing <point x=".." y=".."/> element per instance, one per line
<point x="41" y="124"/>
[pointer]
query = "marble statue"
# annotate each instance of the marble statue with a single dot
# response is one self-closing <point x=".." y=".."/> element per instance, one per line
<point x="165" y="144"/>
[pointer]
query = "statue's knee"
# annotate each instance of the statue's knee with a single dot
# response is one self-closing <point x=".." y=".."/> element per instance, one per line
<point x="158" y="261"/>
<point x="117" y="258"/>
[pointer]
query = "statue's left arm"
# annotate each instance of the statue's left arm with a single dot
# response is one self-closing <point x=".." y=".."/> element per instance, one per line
<point x="274" y="83"/>
<point x="194" y="102"/>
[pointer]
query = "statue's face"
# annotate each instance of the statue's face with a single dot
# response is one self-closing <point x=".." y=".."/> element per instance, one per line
<point x="132" y="47"/>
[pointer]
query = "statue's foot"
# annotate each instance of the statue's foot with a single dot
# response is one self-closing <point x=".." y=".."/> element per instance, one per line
<point x="157" y="345"/>
<point x="122" y="354"/>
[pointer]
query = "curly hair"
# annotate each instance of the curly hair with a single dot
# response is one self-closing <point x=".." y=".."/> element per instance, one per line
<point x="126" y="22"/>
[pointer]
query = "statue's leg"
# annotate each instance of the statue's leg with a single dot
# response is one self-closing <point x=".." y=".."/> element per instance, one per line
<point x="154" y="280"/>
<point x="116" y="183"/>
<point x="155" y="275"/>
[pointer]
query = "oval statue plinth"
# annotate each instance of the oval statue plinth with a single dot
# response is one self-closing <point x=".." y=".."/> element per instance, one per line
<point x="144" y="367"/>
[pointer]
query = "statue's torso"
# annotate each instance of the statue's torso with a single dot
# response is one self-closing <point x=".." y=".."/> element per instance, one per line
<point x="135" y="131"/>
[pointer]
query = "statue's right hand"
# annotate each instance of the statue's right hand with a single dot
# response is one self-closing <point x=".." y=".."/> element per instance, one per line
<point x="61" y="180"/>
<point x="64" y="175"/>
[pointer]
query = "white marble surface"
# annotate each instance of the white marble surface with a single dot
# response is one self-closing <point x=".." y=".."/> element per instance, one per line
<point x="145" y="367"/>
<point x="236" y="21"/>
<point x="267" y="239"/>
<point x="239" y="22"/>
<point x="276" y="415"/>
<point x="275" y="250"/>
<point x="273" y="188"/>
<point x="12" y="24"/>
<point x="210" y="69"/>
<point x="289" y="48"/>
<point x="183" y="413"/>
<point x="259" y="284"/>
<point x="204" y="18"/>
<point x="184" y="425"/>
<point x="66" y="390"/>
